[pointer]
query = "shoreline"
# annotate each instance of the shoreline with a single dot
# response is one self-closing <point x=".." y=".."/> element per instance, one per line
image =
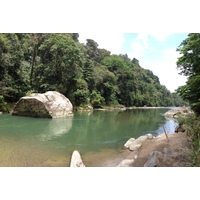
<point x="131" y="108"/>
<point x="153" y="152"/>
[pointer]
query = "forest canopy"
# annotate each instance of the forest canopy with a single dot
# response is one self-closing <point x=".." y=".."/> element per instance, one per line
<point x="189" y="64"/>
<point x="86" y="74"/>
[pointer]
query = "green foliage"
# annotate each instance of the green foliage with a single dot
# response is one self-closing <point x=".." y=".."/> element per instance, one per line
<point x="86" y="74"/>
<point x="189" y="64"/>
<point x="192" y="123"/>
<point x="81" y="94"/>
<point x="97" y="100"/>
<point x="3" y="105"/>
<point x="12" y="66"/>
<point x="61" y="64"/>
<point x="30" y="92"/>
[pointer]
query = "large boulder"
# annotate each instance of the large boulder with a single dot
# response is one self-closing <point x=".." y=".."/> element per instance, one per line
<point x="51" y="104"/>
<point x="76" y="160"/>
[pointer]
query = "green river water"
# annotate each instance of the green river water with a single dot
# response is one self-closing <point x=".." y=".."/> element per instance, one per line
<point x="99" y="136"/>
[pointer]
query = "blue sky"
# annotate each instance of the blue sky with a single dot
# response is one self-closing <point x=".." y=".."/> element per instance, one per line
<point x="155" y="51"/>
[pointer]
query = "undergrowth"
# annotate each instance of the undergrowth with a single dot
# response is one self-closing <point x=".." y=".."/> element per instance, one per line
<point x="192" y="123"/>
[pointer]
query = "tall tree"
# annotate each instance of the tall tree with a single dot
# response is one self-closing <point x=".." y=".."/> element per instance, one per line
<point x="36" y="41"/>
<point x="61" y="64"/>
<point x="189" y="64"/>
<point x="12" y="79"/>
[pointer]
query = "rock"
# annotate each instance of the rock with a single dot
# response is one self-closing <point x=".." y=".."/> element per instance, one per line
<point x="76" y="160"/>
<point x="142" y="138"/>
<point x="129" y="142"/>
<point x="150" y="136"/>
<point x="181" y="111"/>
<point x="134" y="144"/>
<point x="126" y="163"/>
<point x="167" y="151"/>
<point x="153" y="160"/>
<point x="180" y="128"/>
<point x="51" y="104"/>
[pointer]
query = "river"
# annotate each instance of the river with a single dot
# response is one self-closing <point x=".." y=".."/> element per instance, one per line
<point x="99" y="136"/>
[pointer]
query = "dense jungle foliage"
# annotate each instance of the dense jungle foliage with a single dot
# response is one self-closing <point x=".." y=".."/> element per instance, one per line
<point x="86" y="74"/>
<point x="189" y="64"/>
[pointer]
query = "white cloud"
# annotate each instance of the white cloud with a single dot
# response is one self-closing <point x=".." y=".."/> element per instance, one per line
<point x="170" y="54"/>
<point x="140" y="43"/>
<point x="109" y="41"/>
<point x="165" y="68"/>
<point x="168" y="75"/>
<point x="143" y="39"/>
<point x="138" y="47"/>
<point x="160" y="35"/>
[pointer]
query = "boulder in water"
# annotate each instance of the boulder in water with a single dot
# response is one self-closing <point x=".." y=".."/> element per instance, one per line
<point x="51" y="104"/>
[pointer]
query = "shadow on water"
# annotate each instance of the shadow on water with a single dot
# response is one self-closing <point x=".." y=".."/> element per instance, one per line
<point x="28" y="141"/>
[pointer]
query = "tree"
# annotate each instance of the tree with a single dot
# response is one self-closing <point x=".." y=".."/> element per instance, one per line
<point x="12" y="77"/>
<point x="92" y="49"/>
<point x="189" y="64"/>
<point x="36" y="41"/>
<point x="61" y="65"/>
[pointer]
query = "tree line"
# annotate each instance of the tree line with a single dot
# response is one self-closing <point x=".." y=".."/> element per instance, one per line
<point x="189" y="64"/>
<point x="86" y="74"/>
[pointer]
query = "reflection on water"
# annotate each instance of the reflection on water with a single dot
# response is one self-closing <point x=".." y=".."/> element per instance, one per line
<point x="56" y="128"/>
<point x="98" y="136"/>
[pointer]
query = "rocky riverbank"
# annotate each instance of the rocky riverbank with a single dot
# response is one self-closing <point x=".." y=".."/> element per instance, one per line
<point x="160" y="152"/>
<point x="165" y="150"/>
<point x="153" y="152"/>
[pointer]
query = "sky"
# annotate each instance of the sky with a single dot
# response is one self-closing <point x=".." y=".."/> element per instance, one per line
<point x="155" y="51"/>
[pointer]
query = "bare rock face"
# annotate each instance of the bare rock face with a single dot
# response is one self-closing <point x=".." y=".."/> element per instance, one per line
<point x="51" y="104"/>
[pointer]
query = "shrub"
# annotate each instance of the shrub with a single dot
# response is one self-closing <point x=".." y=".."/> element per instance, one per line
<point x="3" y="105"/>
<point x="192" y="123"/>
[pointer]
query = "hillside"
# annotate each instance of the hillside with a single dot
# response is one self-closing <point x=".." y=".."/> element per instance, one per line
<point x="86" y="74"/>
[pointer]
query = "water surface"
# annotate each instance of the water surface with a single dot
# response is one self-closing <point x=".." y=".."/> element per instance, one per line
<point x="98" y="135"/>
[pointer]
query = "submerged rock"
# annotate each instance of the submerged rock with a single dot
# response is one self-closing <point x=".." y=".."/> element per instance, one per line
<point x="76" y="160"/>
<point x="51" y="104"/>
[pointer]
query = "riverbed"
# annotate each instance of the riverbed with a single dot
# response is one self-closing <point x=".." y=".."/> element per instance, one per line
<point x="99" y="136"/>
